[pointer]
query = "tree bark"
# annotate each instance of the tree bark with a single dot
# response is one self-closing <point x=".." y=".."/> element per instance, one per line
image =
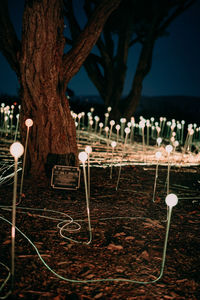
<point x="42" y="86"/>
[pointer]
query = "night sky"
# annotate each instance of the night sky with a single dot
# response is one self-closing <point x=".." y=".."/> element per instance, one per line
<point x="175" y="68"/>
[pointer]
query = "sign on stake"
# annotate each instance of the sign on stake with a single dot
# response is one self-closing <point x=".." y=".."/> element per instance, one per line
<point x="65" y="177"/>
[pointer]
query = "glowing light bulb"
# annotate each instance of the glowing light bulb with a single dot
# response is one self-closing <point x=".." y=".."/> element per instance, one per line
<point x="83" y="156"/>
<point x="176" y="143"/>
<point x="16" y="149"/>
<point x="29" y="122"/>
<point x="101" y="125"/>
<point x="117" y="127"/>
<point x="132" y="120"/>
<point x="96" y="118"/>
<point x="123" y="120"/>
<point x="109" y="108"/>
<point x="127" y="130"/>
<point x="148" y="123"/>
<point x="159" y="141"/>
<point x="169" y="148"/>
<point x="112" y="122"/>
<point x="113" y="144"/>
<point x="88" y="149"/>
<point x="171" y="200"/>
<point x="158" y="155"/>
<point x="191" y="131"/>
<point x="142" y="123"/>
<point x="74" y="115"/>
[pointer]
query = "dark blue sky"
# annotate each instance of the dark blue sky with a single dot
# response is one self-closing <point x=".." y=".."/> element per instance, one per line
<point x="175" y="68"/>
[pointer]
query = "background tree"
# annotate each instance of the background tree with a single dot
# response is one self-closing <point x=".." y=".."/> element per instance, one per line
<point x="44" y="71"/>
<point x="133" y="22"/>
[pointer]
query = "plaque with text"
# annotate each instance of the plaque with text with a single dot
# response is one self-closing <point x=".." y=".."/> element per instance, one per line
<point x="65" y="177"/>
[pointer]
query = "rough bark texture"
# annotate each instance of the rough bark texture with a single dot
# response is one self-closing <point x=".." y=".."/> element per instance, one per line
<point x="43" y="88"/>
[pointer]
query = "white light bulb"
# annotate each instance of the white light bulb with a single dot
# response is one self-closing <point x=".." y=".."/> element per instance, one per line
<point x="169" y="148"/>
<point x="158" y="129"/>
<point x="113" y="144"/>
<point x="117" y="127"/>
<point x="191" y="132"/>
<point x="96" y="118"/>
<point x="88" y="149"/>
<point x="123" y="120"/>
<point x="171" y="200"/>
<point x="159" y="140"/>
<point x="112" y="122"/>
<point x="29" y="122"/>
<point x="83" y="156"/>
<point x="132" y="120"/>
<point x="127" y="130"/>
<point x="158" y="155"/>
<point x="176" y="143"/>
<point x="16" y="149"/>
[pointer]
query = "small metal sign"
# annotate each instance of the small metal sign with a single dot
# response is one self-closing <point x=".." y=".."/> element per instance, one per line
<point x="65" y="177"/>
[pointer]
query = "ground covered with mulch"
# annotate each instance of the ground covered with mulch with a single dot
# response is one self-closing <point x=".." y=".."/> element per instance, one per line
<point x="128" y="233"/>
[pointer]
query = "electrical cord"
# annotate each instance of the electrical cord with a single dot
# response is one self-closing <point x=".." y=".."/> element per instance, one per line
<point x="70" y="221"/>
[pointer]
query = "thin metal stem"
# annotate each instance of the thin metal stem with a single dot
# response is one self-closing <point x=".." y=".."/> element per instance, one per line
<point x="87" y="204"/>
<point x="13" y="226"/>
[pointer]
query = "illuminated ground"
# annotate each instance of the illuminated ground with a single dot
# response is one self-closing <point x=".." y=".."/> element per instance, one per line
<point x="128" y="235"/>
<point x="128" y="228"/>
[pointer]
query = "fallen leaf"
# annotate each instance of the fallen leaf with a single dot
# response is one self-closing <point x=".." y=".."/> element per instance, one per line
<point x="114" y="247"/>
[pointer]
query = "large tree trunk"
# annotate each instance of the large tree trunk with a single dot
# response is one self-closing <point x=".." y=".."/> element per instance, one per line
<point x="42" y="86"/>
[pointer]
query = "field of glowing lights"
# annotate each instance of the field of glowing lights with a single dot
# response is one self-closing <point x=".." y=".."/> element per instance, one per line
<point x="117" y="236"/>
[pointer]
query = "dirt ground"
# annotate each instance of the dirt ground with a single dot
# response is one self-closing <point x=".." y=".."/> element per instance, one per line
<point x="128" y="233"/>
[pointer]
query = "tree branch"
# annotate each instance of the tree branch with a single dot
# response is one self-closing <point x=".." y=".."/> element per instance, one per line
<point x="182" y="7"/>
<point x="74" y="59"/>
